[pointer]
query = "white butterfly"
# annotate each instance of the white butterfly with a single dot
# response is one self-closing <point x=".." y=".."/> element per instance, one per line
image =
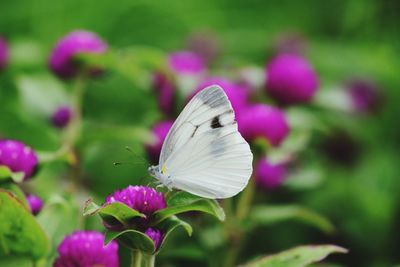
<point x="203" y="153"/>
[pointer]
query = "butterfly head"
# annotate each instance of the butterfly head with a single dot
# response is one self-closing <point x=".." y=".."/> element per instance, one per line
<point x="153" y="170"/>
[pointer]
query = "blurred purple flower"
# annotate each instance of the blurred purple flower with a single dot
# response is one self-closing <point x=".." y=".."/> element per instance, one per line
<point x="18" y="157"/>
<point x="141" y="198"/>
<point x="291" y="79"/>
<point x="204" y="44"/>
<point x="61" y="60"/>
<point x="269" y="176"/>
<point x="290" y="43"/>
<point x="263" y="121"/>
<point x="35" y="203"/>
<point x="186" y="62"/>
<point x="3" y="53"/>
<point x="237" y="94"/>
<point x="165" y="91"/>
<point x="86" y="249"/>
<point x="160" y="131"/>
<point x="156" y="235"/>
<point x="365" y="95"/>
<point x="62" y="116"/>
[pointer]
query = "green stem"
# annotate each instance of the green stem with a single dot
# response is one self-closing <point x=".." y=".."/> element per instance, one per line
<point x="149" y="260"/>
<point x="136" y="258"/>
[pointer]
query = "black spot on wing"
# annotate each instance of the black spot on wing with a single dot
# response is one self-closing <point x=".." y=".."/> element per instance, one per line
<point x="215" y="123"/>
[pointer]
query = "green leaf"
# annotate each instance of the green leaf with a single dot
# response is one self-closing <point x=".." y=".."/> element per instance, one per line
<point x="297" y="257"/>
<point x="132" y="239"/>
<point x="268" y="215"/>
<point x="11" y="186"/>
<point x="170" y="224"/>
<point x="113" y="213"/>
<point x="60" y="216"/>
<point x="184" y="202"/>
<point x="7" y="174"/>
<point x="12" y="261"/>
<point x="20" y="234"/>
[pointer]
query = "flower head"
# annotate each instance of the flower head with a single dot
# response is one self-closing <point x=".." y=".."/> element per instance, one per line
<point x="35" y="203"/>
<point x="365" y="95"/>
<point x="18" y="157"/>
<point x="291" y="79"/>
<point x="144" y="199"/>
<point x="61" y="60"/>
<point x="3" y="53"/>
<point x="263" y="121"/>
<point x="204" y="44"/>
<point x="86" y="249"/>
<point x="160" y="131"/>
<point x="290" y="43"/>
<point x="237" y="94"/>
<point x="156" y="235"/>
<point x="62" y="116"/>
<point x="165" y="91"/>
<point x="269" y="176"/>
<point x="186" y="62"/>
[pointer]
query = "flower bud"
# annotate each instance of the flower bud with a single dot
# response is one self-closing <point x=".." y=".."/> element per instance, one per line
<point x="35" y="203"/>
<point x="269" y="176"/>
<point x="156" y="235"/>
<point x="364" y="94"/>
<point x="62" y="116"/>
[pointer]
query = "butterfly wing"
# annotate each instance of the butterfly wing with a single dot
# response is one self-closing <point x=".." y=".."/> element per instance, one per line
<point x="204" y="153"/>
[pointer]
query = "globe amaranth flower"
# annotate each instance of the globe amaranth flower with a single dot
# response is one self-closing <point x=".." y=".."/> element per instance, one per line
<point x="291" y="79"/>
<point x="160" y="131"/>
<point x="86" y="249"/>
<point x="186" y="62"/>
<point x="61" y="116"/>
<point x="270" y="176"/>
<point x="18" y="157"/>
<point x="144" y="199"/>
<point x="364" y="94"/>
<point x="35" y="203"/>
<point x="62" y="59"/>
<point x="3" y="53"/>
<point x="237" y="94"/>
<point x="156" y="235"/>
<point x="165" y="91"/>
<point x="263" y="121"/>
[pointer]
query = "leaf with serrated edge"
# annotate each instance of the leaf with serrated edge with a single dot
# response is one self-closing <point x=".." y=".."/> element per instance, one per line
<point x="297" y="257"/>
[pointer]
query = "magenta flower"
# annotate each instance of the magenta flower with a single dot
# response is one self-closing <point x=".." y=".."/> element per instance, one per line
<point x="291" y="79"/>
<point x="18" y="157"/>
<point x="3" y="53"/>
<point x="35" y="203"/>
<point x="160" y="131"/>
<point x="186" y="62"/>
<point x="156" y="235"/>
<point x="237" y="94"/>
<point x="263" y="121"/>
<point x="365" y="95"/>
<point x="290" y="43"/>
<point x="86" y="249"/>
<point x="165" y="90"/>
<point x="144" y="199"/>
<point x="62" y="61"/>
<point x="269" y="176"/>
<point x="62" y="116"/>
<point x="204" y="44"/>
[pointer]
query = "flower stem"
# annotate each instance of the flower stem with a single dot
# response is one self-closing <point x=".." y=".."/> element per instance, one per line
<point x="136" y="258"/>
<point x="149" y="260"/>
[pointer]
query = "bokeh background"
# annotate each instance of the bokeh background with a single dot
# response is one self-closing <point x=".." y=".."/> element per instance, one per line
<point x="353" y="161"/>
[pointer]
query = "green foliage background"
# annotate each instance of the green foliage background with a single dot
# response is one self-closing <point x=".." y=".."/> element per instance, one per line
<point x="346" y="38"/>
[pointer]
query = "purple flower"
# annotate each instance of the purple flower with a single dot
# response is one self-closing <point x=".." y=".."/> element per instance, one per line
<point x="263" y="121"/>
<point x="160" y="131"/>
<point x="144" y="199"/>
<point x="204" y="44"/>
<point x="269" y="176"/>
<point x="186" y="62"/>
<point x="365" y="95"/>
<point x="86" y="249"/>
<point x="61" y="60"/>
<point x="18" y="157"/>
<point x="291" y="79"/>
<point x="3" y="53"/>
<point x="62" y="116"/>
<point x="156" y="235"/>
<point x="237" y="94"/>
<point x="290" y="43"/>
<point x="35" y="203"/>
<point x="165" y="91"/>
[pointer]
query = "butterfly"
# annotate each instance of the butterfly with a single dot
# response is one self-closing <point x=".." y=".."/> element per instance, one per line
<point x="204" y="153"/>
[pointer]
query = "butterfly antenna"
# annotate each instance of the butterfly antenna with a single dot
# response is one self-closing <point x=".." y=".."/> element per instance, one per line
<point x="137" y="155"/>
